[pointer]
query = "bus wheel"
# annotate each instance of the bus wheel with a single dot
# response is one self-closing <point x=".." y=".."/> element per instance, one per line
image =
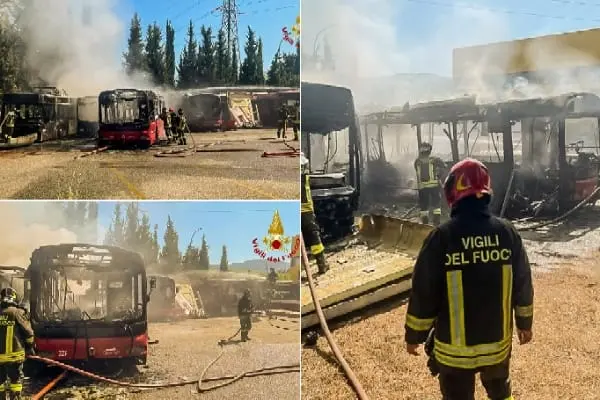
<point x="101" y="143"/>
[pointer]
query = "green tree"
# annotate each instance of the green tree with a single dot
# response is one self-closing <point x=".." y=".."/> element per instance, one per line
<point x="248" y="70"/>
<point x="170" y="55"/>
<point x="235" y="64"/>
<point x="224" y="265"/>
<point x="155" y="57"/>
<point x="134" y="57"/>
<point x="260" y="64"/>
<point x="274" y="77"/>
<point x="131" y="238"/>
<point x="170" y="252"/>
<point x="155" y="245"/>
<point x="188" y="61"/>
<point x="145" y="240"/>
<point x="191" y="257"/>
<point x="13" y="74"/>
<point x="222" y="59"/>
<point x="203" y="258"/>
<point x="206" y="57"/>
<point x="115" y="235"/>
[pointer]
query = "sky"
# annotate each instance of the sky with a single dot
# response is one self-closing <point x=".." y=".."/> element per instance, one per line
<point x="266" y="17"/>
<point x="231" y="223"/>
<point x="412" y="36"/>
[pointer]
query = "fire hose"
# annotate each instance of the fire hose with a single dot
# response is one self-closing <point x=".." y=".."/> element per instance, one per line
<point x="229" y="379"/>
<point x="293" y="152"/>
<point x="355" y="383"/>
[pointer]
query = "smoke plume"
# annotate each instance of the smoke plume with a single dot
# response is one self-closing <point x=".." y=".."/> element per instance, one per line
<point x="76" y="45"/>
<point x="370" y="58"/>
<point x="27" y="226"/>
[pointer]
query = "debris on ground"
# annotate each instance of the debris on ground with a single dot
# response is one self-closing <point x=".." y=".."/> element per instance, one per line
<point x="561" y="362"/>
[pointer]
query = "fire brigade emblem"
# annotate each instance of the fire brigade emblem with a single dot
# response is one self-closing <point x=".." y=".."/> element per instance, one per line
<point x="275" y="246"/>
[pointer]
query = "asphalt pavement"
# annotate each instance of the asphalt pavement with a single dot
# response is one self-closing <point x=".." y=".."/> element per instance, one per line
<point x="224" y="165"/>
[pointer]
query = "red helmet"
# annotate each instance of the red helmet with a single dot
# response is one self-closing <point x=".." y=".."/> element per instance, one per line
<point x="468" y="177"/>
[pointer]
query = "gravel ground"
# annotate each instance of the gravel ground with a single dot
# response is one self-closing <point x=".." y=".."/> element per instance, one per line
<point x="225" y="166"/>
<point x="561" y="362"/>
<point x="184" y="350"/>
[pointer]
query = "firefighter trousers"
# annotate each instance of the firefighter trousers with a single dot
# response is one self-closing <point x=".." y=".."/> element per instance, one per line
<point x="245" y="326"/>
<point x="459" y="384"/>
<point x="311" y="233"/>
<point x="430" y="201"/>
<point x="12" y="376"/>
<point x="281" y="128"/>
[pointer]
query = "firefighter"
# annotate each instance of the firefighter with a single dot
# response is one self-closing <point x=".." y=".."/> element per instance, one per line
<point x="174" y="123"/>
<point x="166" y="117"/>
<point x="245" y="308"/>
<point x="17" y="342"/>
<point x="296" y="121"/>
<point x="429" y="170"/>
<point x="310" y="229"/>
<point x="182" y="127"/>
<point x="9" y="124"/>
<point x="471" y="276"/>
<point x="272" y="278"/>
<point x="282" y="122"/>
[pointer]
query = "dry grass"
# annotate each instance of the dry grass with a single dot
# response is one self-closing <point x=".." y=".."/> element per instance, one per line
<point x="562" y="361"/>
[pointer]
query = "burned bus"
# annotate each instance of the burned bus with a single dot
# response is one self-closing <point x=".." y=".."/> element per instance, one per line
<point x="130" y="117"/>
<point x="88" y="305"/>
<point x="331" y="140"/>
<point x="43" y="115"/>
<point x="205" y="111"/>
<point x="87" y="116"/>
<point x="163" y="306"/>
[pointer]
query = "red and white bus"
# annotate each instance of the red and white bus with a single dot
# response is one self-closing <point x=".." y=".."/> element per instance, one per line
<point x="130" y="117"/>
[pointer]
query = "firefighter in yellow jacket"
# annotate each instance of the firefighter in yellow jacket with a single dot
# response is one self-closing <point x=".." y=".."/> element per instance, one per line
<point x="429" y="170"/>
<point x="471" y="278"/>
<point x="15" y="342"/>
<point x="308" y="221"/>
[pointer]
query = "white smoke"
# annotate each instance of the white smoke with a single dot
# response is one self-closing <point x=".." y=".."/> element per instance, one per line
<point x="370" y="57"/>
<point x="76" y="45"/>
<point x="26" y="226"/>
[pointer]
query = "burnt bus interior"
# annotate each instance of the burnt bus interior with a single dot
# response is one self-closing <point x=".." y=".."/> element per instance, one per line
<point x="331" y="141"/>
<point x="205" y="111"/>
<point x="163" y="298"/>
<point x="45" y="115"/>
<point x="87" y="116"/>
<point x="81" y="291"/>
<point x="122" y="109"/>
<point x="542" y="153"/>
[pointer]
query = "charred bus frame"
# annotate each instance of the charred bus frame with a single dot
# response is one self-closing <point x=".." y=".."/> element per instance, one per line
<point x="42" y="115"/>
<point x="569" y="183"/>
<point x="94" y="329"/>
<point x="327" y="110"/>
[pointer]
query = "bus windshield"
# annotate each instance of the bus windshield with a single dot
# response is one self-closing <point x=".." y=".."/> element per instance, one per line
<point x="78" y="293"/>
<point x="122" y="111"/>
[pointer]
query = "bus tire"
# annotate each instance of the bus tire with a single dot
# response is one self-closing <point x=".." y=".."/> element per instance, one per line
<point x="101" y="143"/>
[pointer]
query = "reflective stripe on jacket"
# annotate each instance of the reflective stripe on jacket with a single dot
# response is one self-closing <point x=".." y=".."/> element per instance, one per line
<point x="305" y="195"/>
<point x="471" y="278"/>
<point x="15" y="334"/>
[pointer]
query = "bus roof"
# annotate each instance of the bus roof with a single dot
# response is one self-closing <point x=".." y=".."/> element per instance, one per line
<point x="86" y="255"/>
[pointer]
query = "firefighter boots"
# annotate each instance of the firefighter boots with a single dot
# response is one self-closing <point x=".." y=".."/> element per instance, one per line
<point x="437" y="219"/>
<point x="244" y="336"/>
<point x="425" y="219"/>
<point x="322" y="263"/>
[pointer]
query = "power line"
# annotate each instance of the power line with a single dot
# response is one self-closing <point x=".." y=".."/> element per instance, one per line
<point x="504" y="11"/>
